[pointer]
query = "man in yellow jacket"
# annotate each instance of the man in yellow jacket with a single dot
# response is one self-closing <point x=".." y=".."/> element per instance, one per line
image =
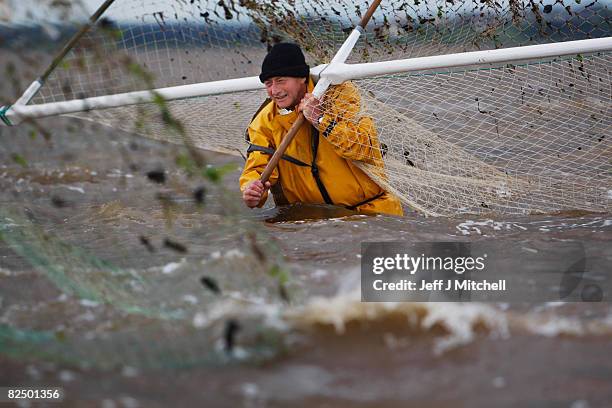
<point x="318" y="165"/>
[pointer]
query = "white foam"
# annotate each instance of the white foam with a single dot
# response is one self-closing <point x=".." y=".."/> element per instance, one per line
<point x="89" y="303"/>
<point x="171" y="267"/>
<point x="200" y="320"/>
<point x="499" y="382"/>
<point x="5" y="272"/>
<point x="249" y="390"/>
<point x="128" y="371"/>
<point x="580" y="404"/>
<point x="108" y="403"/>
<point x="234" y="253"/>
<point x="190" y="299"/>
<point x="66" y="376"/>
<point x="458" y="319"/>
<point x="88" y="317"/>
<point x="552" y="327"/>
<point x="129" y="402"/>
<point x="469" y="226"/>
<point x="73" y="188"/>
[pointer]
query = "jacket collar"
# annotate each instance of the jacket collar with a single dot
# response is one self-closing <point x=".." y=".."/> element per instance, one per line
<point x="286" y="112"/>
<point x="284" y="117"/>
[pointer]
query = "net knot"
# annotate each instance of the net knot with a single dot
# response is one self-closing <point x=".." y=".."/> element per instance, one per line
<point x="5" y="119"/>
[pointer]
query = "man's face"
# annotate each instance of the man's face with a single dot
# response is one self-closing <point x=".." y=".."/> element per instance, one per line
<point x="287" y="92"/>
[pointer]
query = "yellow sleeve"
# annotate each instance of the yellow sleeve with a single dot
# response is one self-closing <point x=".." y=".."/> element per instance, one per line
<point x="353" y="136"/>
<point x="256" y="162"/>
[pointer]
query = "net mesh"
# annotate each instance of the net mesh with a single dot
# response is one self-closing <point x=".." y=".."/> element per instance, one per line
<point x="531" y="136"/>
<point x="98" y="313"/>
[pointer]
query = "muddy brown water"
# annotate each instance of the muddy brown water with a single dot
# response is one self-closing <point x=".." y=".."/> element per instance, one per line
<point x="101" y="293"/>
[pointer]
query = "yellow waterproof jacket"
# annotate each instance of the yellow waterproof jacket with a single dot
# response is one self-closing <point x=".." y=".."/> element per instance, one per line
<point x="342" y="136"/>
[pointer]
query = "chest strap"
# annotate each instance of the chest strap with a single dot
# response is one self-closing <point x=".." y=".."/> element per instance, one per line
<point x="270" y="151"/>
<point x="329" y="128"/>
<point x="369" y="200"/>
<point x="314" y="168"/>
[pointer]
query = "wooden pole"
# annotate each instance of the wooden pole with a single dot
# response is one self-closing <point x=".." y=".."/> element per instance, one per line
<point x="280" y="150"/>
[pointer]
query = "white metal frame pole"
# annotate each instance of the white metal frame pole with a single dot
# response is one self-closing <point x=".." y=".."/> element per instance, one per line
<point x="338" y="73"/>
<point x="17" y="113"/>
<point x="38" y="83"/>
<point x="334" y="73"/>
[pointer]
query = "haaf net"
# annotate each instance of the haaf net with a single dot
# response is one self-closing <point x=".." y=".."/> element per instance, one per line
<point x="516" y="137"/>
<point x="521" y="137"/>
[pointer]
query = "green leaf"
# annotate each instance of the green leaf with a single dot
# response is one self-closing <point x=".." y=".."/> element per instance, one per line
<point x="212" y="174"/>
<point x="116" y="34"/>
<point x="185" y="162"/>
<point x="60" y="336"/>
<point x="17" y="158"/>
<point x="216" y="173"/>
<point x="141" y="73"/>
<point x="281" y="275"/>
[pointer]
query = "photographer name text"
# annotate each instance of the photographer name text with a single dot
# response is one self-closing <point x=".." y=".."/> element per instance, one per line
<point x="439" y="285"/>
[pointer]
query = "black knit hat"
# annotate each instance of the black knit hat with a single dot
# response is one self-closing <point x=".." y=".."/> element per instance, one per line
<point x="284" y="59"/>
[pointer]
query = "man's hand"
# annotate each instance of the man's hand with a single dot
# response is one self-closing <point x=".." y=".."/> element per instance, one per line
<point x="253" y="192"/>
<point x="310" y="106"/>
